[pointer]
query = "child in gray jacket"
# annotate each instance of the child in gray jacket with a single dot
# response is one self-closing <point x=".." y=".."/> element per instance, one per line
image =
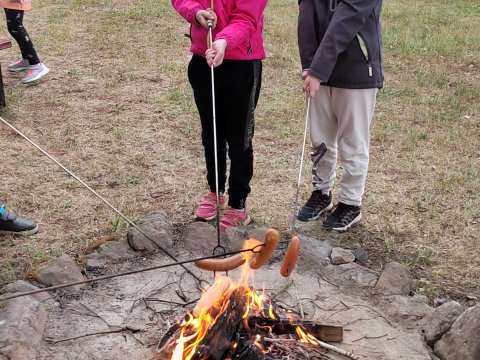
<point x="340" y="52"/>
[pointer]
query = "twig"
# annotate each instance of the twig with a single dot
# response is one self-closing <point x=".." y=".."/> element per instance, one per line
<point x="283" y="289"/>
<point x="106" y="332"/>
<point x="368" y="307"/>
<point x="90" y="312"/>
<point x="319" y="343"/>
<point x="328" y="281"/>
<point x="337" y="350"/>
<point x="156" y="291"/>
<point x="360" y="319"/>
<point x="369" y="337"/>
<point x="168" y="302"/>
<point x="299" y="303"/>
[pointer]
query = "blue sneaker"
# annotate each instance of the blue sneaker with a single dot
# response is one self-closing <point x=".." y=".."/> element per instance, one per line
<point x="13" y="224"/>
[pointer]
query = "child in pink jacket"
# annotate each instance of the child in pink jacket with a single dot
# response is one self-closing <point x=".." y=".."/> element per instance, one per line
<point x="236" y="54"/>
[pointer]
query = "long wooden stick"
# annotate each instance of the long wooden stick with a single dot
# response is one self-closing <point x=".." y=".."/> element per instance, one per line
<point x="321" y="344"/>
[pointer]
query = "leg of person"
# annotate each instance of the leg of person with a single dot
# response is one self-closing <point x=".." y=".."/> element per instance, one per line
<point x="13" y="224"/>
<point x="30" y="60"/>
<point x="323" y="134"/>
<point x="200" y="79"/>
<point x="354" y="109"/>
<point x="242" y="89"/>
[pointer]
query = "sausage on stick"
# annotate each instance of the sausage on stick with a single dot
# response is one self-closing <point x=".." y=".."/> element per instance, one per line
<point x="271" y="240"/>
<point x="291" y="257"/>
<point x="221" y="264"/>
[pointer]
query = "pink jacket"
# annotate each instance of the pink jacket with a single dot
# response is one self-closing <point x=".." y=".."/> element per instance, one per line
<point x="239" y="22"/>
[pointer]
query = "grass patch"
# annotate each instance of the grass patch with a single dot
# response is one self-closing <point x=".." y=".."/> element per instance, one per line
<point x="117" y="110"/>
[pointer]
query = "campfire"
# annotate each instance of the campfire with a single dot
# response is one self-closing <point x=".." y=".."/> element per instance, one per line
<point x="233" y="321"/>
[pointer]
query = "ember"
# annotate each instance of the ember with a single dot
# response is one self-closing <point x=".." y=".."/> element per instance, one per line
<point x="234" y="321"/>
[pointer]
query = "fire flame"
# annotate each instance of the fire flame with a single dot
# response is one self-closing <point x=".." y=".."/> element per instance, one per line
<point x="306" y="337"/>
<point x="195" y="328"/>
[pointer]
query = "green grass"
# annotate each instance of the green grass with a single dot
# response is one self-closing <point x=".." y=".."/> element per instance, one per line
<point x="117" y="109"/>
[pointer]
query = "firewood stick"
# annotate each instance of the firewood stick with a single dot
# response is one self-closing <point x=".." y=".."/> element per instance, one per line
<point x="338" y="350"/>
<point x="299" y="303"/>
<point x="326" y="346"/>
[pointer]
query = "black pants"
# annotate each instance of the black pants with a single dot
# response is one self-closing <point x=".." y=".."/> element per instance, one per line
<point x="18" y="32"/>
<point x="237" y="88"/>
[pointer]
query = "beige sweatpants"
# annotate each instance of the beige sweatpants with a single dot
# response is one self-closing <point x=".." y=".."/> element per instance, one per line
<point x="340" y="120"/>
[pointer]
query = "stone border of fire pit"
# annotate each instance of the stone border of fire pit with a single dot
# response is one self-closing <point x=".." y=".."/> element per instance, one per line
<point x="449" y="330"/>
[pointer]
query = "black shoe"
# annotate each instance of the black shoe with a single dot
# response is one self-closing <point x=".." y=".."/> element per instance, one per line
<point x="343" y="217"/>
<point x="315" y="206"/>
<point x="13" y="224"/>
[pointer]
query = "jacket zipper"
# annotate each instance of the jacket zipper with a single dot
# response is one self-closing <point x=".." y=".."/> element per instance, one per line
<point x="364" y="48"/>
<point x="378" y="40"/>
<point x="333" y="5"/>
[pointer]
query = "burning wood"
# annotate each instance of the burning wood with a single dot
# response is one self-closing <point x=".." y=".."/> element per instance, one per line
<point x="232" y="322"/>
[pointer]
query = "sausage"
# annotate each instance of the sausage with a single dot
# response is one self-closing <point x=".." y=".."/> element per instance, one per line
<point x="212" y="295"/>
<point x="271" y="240"/>
<point x="291" y="257"/>
<point x="221" y="264"/>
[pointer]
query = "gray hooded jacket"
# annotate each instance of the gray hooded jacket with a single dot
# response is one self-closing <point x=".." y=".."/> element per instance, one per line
<point x="340" y="42"/>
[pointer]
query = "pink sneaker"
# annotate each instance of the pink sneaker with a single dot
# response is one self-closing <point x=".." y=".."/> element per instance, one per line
<point x="207" y="209"/>
<point x="232" y="217"/>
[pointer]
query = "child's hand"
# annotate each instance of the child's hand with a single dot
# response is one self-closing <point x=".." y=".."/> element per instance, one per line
<point x="311" y="86"/>
<point x="206" y="18"/>
<point x="216" y="54"/>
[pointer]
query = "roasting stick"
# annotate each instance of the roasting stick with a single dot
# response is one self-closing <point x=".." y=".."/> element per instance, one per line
<point x="219" y="247"/>
<point x="293" y="249"/>
<point x="295" y="204"/>
<point x="253" y="249"/>
<point x="85" y="185"/>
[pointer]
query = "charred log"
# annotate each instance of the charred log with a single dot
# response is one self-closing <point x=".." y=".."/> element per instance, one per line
<point x="219" y="337"/>
<point x="329" y="333"/>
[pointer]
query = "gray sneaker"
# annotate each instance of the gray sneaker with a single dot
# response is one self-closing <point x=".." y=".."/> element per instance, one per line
<point x="19" y="65"/>
<point x="35" y="72"/>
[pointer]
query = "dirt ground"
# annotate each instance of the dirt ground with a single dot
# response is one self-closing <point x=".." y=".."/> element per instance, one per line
<point x="117" y="110"/>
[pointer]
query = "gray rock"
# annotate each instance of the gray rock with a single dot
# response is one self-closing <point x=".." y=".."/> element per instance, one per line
<point x="157" y="228"/>
<point x="21" y="286"/>
<point x="360" y="255"/>
<point x="200" y="238"/>
<point x="93" y="263"/>
<point x="341" y="256"/>
<point x="60" y="271"/>
<point x="237" y="235"/>
<point x="462" y="341"/>
<point x="395" y="280"/>
<point x="313" y="252"/>
<point x="22" y="322"/>
<point x="115" y="251"/>
<point x="439" y="321"/>
<point x="439" y="301"/>
<point x="408" y="308"/>
<point x="352" y="272"/>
